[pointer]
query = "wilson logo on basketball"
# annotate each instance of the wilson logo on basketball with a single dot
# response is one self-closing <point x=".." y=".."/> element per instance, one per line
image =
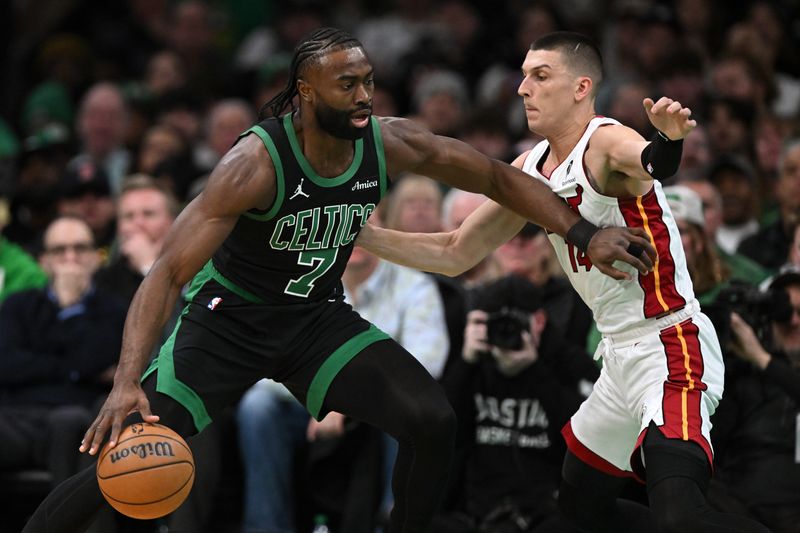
<point x="159" y="449"/>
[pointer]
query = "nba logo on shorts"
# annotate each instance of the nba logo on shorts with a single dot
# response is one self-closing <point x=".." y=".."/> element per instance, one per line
<point x="214" y="303"/>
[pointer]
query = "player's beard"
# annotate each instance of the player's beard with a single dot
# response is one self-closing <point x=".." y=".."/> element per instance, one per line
<point x="337" y="122"/>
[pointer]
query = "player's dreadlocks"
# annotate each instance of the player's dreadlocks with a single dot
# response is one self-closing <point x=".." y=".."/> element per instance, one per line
<point x="321" y="40"/>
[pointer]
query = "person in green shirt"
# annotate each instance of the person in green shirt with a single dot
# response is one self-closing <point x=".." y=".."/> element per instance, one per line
<point x="18" y="270"/>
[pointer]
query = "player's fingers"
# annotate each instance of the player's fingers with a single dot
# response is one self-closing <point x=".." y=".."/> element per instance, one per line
<point x="674" y="107"/>
<point x="613" y="272"/>
<point x="648" y="103"/>
<point x="686" y="112"/>
<point x="661" y="105"/>
<point x="88" y="437"/>
<point x="116" y="429"/>
<point x="147" y="415"/>
<point x="635" y="260"/>
<point x="640" y="237"/>
<point x="100" y="429"/>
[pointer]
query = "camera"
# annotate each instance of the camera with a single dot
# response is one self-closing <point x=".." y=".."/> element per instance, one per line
<point x="504" y="328"/>
<point x="758" y="308"/>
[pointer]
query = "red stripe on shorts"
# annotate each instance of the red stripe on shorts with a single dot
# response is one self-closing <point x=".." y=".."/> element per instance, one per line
<point x="660" y="293"/>
<point x="684" y="386"/>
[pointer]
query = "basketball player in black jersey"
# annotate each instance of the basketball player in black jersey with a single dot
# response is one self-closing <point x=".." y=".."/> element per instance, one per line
<point x="265" y="245"/>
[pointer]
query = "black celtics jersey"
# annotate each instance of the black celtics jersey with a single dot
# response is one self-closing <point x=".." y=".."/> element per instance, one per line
<point x="297" y="250"/>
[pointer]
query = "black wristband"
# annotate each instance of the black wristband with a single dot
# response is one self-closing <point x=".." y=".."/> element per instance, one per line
<point x="662" y="156"/>
<point x="581" y="233"/>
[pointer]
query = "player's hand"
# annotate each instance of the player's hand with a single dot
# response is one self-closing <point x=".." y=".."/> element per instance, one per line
<point x="616" y="244"/>
<point x="123" y="400"/>
<point x="329" y="427"/>
<point x="747" y="346"/>
<point x="669" y="117"/>
<point x="512" y="362"/>
<point x="475" y="335"/>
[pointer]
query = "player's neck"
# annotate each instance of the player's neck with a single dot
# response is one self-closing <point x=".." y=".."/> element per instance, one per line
<point x="329" y="156"/>
<point x="563" y="141"/>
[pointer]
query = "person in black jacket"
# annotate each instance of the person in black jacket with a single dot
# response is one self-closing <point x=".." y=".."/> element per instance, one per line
<point x="757" y="425"/>
<point x="517" y="383"/>
<point x="58" y="349"/>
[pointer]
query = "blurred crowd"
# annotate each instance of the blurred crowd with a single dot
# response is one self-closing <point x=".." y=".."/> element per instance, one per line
<point x="112" y="115"/>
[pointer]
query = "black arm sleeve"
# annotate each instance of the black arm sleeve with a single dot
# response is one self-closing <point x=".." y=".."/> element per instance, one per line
<point x="662" y="156"/>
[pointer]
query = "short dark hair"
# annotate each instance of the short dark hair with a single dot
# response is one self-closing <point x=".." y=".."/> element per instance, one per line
<point x="309" y="49"/>
<point x="581" y="53"/>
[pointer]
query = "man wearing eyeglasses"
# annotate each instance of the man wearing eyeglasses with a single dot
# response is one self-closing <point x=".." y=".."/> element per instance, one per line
<point x="58" y="347"/>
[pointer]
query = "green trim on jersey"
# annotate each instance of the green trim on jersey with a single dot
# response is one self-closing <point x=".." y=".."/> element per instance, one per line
<point x="376" y="133"/>
<point x="166" y="382"/>
<point x="334" y="364"/>
<point x="279" y="181"/>
<point x="213" y="273"/>
<point x="306" y="166"/>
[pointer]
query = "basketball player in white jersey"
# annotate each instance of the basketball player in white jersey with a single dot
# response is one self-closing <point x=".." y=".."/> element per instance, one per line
<point x="662" y="376"/>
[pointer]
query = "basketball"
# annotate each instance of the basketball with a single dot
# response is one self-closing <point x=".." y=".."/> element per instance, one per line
<point x="148" y="473"/>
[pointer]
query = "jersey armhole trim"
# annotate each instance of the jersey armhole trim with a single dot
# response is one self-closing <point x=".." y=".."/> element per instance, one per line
<point x="376" y="133"/>
<point x="308" y="170"/>
<point x="279" y="179"/>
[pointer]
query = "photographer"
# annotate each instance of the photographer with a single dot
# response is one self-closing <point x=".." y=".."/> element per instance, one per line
<point x="516" y="384"/>
<point x="757" y="424"/>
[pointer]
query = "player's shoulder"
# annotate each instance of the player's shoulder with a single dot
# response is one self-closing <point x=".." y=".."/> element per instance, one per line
<point x="401" y="129"/>
<point x="613" y="131"/>
<point x="519" y="161"/>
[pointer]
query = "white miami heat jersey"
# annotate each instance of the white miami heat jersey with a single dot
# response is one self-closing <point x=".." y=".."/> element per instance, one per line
<point x="616" y="305"/>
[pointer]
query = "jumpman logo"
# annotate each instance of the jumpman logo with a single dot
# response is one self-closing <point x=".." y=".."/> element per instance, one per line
<point x="298" y="190"/>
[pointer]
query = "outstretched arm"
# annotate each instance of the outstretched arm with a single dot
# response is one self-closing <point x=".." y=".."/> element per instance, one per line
<point x="630" y="154"/>
<point x="409" y="147"/>
<point x="243" y="179"/>
<point x="450" y="253"/>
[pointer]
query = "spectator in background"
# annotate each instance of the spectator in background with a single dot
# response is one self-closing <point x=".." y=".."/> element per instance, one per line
<point x="729" y="126"/>
<point x="226" y="120"/>
<point x="740" y="267"/>
<point x="625" y="106"/>
<point x="515" y="385"/>
<point x="770" y="245"/>
<point x="696" y="156"/>
<point x="755" y="426"/>
<point x="18" y="270"/>
<point x="40" y="167"/>
<point x="440" y="101"/>
<point x="530" y="255"/>
<point x="743" y="79"/>
<point x="192" y="36"/>
<point x="145" y="212"/>
<point x="273" y="425"/>
<point x="794" y="248"/>
<point x="59" y="347"/>
<point x="160" y="142"/>
<point x="165" y="73"/>
<point x="486" y="131"/>
<point x="415" y="205"/>
<point x="86" y="194"/>
<point x="456" y="207"/>
<point x="707" y="270"/>
<point x="683" y="78"/>
<point x="101" y="126"/>
<point x="735" y="180"/>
